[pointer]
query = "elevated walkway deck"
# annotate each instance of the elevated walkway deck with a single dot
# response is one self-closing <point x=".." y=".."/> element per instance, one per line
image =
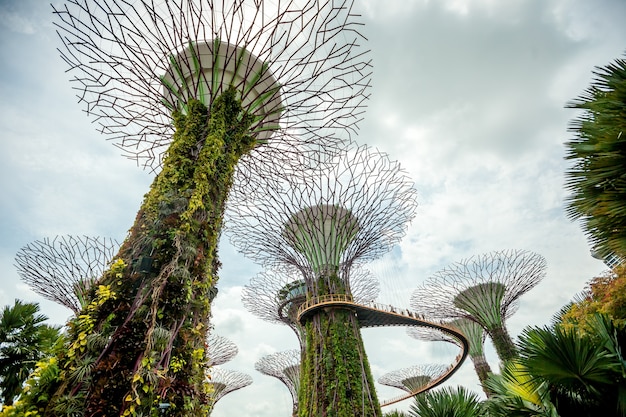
<point x="379" y="315"/>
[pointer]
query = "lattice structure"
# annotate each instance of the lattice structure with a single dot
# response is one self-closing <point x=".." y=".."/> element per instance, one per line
<point x="285" y="366"/>
<point x="220" y="350"/>
<point x="276" y="294"/>
<point x="475" y="335"/>
<point x="324" y="220"/>
<point x="350" y="209"/>
<point x="484" y="289"/>
<point x="225" y="381"/>
<point x="64" y="268"/>
<point x="300" y="66"/>
<point x="413" y="378"/>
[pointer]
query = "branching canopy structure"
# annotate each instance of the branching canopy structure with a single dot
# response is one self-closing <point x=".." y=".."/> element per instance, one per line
<point x="220" y="350"/>
<point x="300" y="67"/>
<point x="349" y="209"/>
<point x="285" y="366"/>
<point x="484" y="289"/>
<point x="63" y="269"/>
<point x="414" y="378"/>
<point x="225" y="381"/>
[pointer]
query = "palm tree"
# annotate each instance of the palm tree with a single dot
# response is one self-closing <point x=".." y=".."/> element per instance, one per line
<point x="597" y="178"/>
<point x="447" y="402"/>
<point x="562" y="372"/>
<point x="24" y="340"/>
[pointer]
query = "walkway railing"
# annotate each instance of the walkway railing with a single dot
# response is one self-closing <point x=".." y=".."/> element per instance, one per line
<point x="382" y="311"/>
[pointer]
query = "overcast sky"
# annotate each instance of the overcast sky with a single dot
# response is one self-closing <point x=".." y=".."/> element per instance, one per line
<point x="468" y="95"/>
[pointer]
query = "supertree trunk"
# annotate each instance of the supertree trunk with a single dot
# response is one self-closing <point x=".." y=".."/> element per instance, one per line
<point x="335" y="379"/>
<point x="163" y="279"/>
<point x="502" y="342"/>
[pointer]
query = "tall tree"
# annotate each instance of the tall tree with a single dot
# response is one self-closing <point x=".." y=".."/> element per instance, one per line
<point x="24" y="340"/>
<point x="597" y="179"/>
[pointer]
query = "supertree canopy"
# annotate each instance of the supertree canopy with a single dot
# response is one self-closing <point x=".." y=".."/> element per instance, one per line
<point x="484" y="289"/>
<point x="276" y="294"/>
<point x="191" y="87"/>
<point x="299" y="66"/>
<point x="285" y="366"/>
<point x="413" y="379"/>
<point x="220" y="350"/>
<point x="324" y="220"/>
<point x="63" y="269"/>
<point x="475" y="335"/>
<point x="225" y="381"/>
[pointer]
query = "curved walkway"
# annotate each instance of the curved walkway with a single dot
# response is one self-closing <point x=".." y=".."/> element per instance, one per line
<point x="378" y="315"/>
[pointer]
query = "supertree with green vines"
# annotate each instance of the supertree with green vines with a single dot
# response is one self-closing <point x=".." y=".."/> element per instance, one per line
<point x="325" y="220"/>
<point x="475" y="335"/>
<point x="201" y="92"/>
<point x="485" y="289"/>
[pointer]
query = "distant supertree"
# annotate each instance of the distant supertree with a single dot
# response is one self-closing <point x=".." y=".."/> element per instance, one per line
<point x="475" y="335"/>
<point x="64" y="268"/>
<point x="285" y="366"/>
<point x="414" y="378"/>
<point x="484" y="289"/>
<point x="220" y="350"/>
<point x="276" y="294"/>
<point x="190" y="88"/>
<point x="337" y="214"/>
<point x="224" y="381"/>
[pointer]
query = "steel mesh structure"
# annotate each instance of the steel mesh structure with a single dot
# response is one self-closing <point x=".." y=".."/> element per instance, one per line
<point x="224" y="381"/>
<point x="220" y="350"/>
<point x="284" y="366"/>
<point x="64" y="268"/>
<point x="276" y="294"/>
<point x="414" y="378"/>
<point x="484" y="289"/>
<point x="300" y="66"/>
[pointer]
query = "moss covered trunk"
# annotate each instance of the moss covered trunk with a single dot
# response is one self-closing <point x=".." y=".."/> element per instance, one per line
<point x="142" y="340"/>
<point x="336" y="380"/>
<point x="502" y="342"/>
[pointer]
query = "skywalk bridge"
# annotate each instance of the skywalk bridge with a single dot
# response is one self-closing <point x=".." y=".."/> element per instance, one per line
<point x="379" y="315"/>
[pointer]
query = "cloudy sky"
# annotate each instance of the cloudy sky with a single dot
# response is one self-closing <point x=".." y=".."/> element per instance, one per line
<point x="468" y="95"/>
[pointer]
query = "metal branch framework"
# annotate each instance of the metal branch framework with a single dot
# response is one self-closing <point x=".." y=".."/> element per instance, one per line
<point x="285" y="366"/>
<point x="225" y="381"/>
<point x="351" y="208"/>
<point x="220" y="350"/>
<point x="414" y="378"/>
<point x="276" y="294"/>
<point x="300" y="66"/>
<point x="64" y="268"/>
<point x="484" y="289"/>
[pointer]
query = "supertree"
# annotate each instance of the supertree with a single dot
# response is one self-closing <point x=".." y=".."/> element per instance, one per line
<point x="64" y="268"/>
<point x="484" y="288"/>
<point x="275" y="295"/>
<point x="198" y="89"/>
<point x="225" y="381"/>
<point x="285" y="366"/>
<point x="220" y="350"/>
<point x="339" y="213"/>
<point x="414" y="378"/>
<point x="475" y="335"/>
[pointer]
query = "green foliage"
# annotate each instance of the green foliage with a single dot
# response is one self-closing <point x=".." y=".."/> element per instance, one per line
<point x="24" y="341"/>
<point x="447" y="402"/>
<point x="597" y="180"/>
